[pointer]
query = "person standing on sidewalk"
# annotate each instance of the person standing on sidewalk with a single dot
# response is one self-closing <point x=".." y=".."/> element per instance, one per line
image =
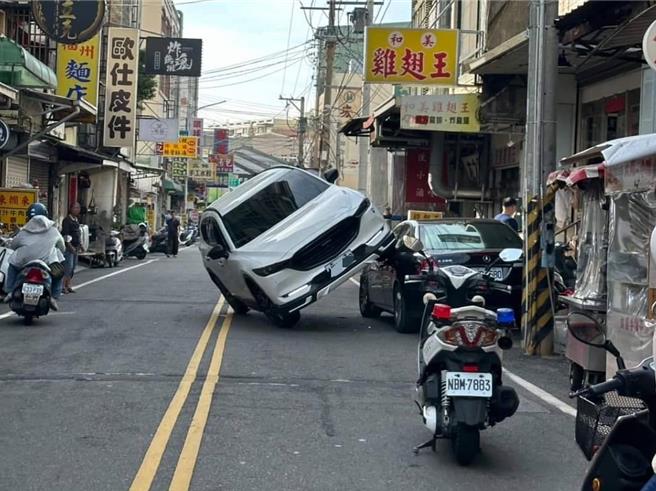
<point x="71" y="229"/>
<point x="173" y="231"/>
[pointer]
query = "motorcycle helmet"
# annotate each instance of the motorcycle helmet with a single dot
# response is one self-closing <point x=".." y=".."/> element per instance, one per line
<point x="36" y="209"/>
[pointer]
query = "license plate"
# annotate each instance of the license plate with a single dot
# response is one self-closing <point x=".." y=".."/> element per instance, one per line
<point x="339" y="266"/>
<point x="465" y="384"/>
<point x="31" y="293"/>
<point x="495" y="273"/>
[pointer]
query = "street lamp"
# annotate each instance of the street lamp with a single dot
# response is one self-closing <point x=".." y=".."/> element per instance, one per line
<point x="210" y="105"/>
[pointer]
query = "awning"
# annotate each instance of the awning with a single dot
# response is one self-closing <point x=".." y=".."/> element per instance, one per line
<point x="619" y="151"/>
<point x="20" y="69"/>
<point x="63" y="106"/>
<point x="72" y="154"/>
<point x="508" y="58"/>
<point x="355" y="127"/>
<point x="172" y="187"/>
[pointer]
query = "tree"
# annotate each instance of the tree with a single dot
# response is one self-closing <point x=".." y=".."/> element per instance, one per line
<point x="147" y="84"/>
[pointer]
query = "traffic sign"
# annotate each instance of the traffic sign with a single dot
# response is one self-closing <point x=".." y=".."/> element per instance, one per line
<point x="649" y="45"/>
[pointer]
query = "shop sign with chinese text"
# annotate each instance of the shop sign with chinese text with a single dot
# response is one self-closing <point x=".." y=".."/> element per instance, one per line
<point x="417" y="169"/>
<point x="69" y="21"/>
<point x="78" y="70"/>
<point x="199" y="170"/>
<point x="179" y="169"/>
<point x="186" y="147"/>
<point x="173" y="56"/>
<point x="453" y="112"/>
<point x="197" y="127"/>
<point x="14" y="204"/>
<point x="411" y="56"/>
<point x="221" y="141"/>
<point x="121" y="87"/>
<point x="158" y="130"/>
<point x="223" y="163"/>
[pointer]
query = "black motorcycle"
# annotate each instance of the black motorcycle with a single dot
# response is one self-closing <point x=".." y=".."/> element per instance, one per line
<point x="459" y="389"/>
<point x="31" y="295"/>
<point x="159" y="241"/>
<point x="616" y="419"/>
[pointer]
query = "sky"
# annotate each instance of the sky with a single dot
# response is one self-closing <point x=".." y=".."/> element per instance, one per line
<point x="234" y="32"/>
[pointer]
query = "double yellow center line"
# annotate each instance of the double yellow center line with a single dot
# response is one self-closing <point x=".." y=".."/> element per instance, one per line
<point x="187" y="460"/>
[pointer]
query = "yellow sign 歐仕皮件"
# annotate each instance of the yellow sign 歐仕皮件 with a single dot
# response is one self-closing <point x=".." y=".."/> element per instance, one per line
<point x="411" y="56"/>
<point x="78" y="70"/>
<point x="14" y="204"/>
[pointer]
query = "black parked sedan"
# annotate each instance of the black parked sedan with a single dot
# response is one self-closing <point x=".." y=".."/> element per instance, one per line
<point x="474" y="243"/>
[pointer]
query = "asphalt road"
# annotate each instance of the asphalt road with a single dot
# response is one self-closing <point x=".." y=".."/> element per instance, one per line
<point x="102" y="396"/>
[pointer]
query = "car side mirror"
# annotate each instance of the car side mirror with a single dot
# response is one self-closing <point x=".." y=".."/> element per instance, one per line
<point x="331" y="176"/>
<point x="218" y="252"/>
<point x="411" y="244"/>
<point x="510" y="255"/>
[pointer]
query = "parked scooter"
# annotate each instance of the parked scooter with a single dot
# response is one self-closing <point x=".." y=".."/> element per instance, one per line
<point x="113" y="249"/>
<point x="159" y="241"/>
<point x="616" y="419"/>
<point x="459" y="389"/>
<point x="189" y="236"/>
<point x="135" y="240"/>
<point x="5" y="253"/>
<point x="31" y="296"/>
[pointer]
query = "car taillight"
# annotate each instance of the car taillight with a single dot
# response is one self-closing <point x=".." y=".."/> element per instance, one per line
<point x="34" y="275"/>
<point x="469" y="335"/>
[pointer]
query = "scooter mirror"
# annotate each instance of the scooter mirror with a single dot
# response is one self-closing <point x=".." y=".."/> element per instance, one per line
<point x="412" y="244"/>
<point x="586" y="329"/>
<point x="510" y="255"/>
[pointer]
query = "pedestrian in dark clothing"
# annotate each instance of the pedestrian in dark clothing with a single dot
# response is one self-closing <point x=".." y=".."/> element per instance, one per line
<point x="508" y="214"/>
<point x="172" y="228"/>
<point x="73" y="238"/>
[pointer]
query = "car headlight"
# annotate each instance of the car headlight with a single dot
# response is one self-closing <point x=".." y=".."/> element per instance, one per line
<point x="271" y="269"/>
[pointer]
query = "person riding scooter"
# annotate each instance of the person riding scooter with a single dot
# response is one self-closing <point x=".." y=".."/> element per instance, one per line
<point x="39" y="239"/>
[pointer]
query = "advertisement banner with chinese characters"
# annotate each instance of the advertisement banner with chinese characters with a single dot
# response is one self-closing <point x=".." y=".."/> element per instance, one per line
<point x="411" y="56"/>
<point x="78" y="70"/>
<point x="197" y="127"/>
<point x="173" y="56"/>
<point x="453" y="112"/>
<point x="121" y="87"/>
<point x="417" y="169"/>
<point x="220" y="145"/>
<point x="186" y="147"/>
<point x="179" y="169"/>
<point x="223" y="163"/>
<point x="199" y="170"/>
<point x="14" y="204"/>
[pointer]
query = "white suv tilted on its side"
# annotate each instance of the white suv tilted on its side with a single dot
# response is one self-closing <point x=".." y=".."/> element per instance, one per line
<point x="286" y="238"/>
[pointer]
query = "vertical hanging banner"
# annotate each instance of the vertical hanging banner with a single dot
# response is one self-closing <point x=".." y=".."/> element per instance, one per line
<point x="221" y="144"/>
<point x="121" y="87"/>
<point x="411" y="56"/>
<point x="78" y="70"/>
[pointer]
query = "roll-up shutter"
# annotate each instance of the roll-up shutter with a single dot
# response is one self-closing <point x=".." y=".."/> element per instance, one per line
<point x="16" y="170"/>
<point x="40" y="171"/>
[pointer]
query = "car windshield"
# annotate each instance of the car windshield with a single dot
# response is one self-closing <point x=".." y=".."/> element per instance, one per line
<point x="269" y="206"/>
<point x="467" y="236"/>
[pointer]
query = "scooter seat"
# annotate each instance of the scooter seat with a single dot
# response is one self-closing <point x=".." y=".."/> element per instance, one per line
<point x="37" y="263"/>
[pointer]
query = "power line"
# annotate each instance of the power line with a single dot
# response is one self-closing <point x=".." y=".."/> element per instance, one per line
<point x="247" y="71"/>
<point x="268" y="57"/>
<point x="289" y="37"/>
<point x="249" y="80"/>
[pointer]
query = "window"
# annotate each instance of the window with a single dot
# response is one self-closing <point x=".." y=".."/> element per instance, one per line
<point x="293" y="190"/>
<point x="463" y="236"/>
<point x="211" y="232"/>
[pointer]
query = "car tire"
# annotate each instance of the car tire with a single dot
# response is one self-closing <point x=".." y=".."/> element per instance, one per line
<point x="367" y="309"/>
<point x="239" y="307"/>
<point x="284" y="320"/>
<point x="403" y="321"/>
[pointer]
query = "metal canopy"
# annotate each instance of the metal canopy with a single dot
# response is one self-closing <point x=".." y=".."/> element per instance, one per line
<point x="20" y="69"/>
<point x="508" y="58"/>
<point x="63" y="106"/>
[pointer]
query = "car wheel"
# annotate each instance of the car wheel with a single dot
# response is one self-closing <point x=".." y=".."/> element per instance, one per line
<point x="403" y="321"/>
<point x="367" y="309"/>
<point x="284" y="320"/>
<point x="237" y="305"/>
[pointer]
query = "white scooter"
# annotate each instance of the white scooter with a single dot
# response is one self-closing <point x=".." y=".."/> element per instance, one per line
<point x="5" y="254"/>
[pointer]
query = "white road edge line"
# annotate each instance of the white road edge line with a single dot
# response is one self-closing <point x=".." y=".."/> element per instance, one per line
<point x="541" y="394"/>
<point x="95" y="280"/>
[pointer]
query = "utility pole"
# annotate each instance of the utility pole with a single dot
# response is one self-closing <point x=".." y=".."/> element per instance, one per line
<point x="302" y="125"/>
<point x="363" y="143"/>
<point x="539" y="161"/>
<point x="324" y="146"/>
